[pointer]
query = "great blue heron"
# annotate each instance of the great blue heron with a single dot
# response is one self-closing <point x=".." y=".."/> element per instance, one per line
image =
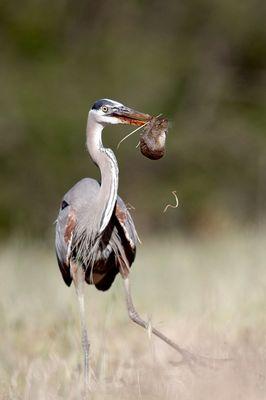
<point x="95" y="234"/>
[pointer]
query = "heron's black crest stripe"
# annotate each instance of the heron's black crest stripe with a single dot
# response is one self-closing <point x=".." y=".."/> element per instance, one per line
<point x="64" y="204"/>
<point x="99" y="103"/>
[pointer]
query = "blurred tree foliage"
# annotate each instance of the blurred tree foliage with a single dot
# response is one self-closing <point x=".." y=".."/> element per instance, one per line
<point x="200" y="62"/>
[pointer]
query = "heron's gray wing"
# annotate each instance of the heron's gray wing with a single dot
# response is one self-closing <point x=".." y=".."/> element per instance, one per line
<point x="65" y="225"/>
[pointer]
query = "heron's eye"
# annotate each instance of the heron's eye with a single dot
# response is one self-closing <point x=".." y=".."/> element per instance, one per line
<point x="104" y="109"/>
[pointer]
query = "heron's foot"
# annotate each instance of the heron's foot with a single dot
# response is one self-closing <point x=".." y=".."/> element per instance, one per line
<point x="193" y="360"/>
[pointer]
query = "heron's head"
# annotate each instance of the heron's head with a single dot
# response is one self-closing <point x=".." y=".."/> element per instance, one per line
<point x="108" y="111"/>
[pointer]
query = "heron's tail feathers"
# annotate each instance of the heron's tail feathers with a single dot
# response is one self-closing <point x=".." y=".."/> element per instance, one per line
<point x="107" y="280"/>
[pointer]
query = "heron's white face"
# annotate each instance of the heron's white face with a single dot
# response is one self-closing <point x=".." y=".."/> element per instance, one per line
<point x="107" y="111"/>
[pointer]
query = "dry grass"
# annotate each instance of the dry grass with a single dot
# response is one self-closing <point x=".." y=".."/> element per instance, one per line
<point x="207" y="294"/>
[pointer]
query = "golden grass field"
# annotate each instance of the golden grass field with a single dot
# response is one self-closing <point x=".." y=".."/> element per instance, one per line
<point x="208" y="294"/>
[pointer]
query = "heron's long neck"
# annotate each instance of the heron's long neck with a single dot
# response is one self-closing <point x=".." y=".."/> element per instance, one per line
<point x="106" y="161"/>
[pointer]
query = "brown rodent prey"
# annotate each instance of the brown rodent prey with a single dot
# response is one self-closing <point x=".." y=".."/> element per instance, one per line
<point x="152" y="139"/>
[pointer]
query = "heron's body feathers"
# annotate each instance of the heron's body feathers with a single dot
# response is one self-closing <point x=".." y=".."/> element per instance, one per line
<point x="102" y="256"/>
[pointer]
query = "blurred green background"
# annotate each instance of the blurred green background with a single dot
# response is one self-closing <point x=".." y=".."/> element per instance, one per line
<point x="201" y="63"/>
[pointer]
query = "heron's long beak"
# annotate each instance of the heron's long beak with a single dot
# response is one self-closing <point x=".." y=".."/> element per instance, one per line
<point x="131" y="117"/>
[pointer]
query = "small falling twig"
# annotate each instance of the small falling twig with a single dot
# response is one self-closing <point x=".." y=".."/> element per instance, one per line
<point x="171" y="205"/>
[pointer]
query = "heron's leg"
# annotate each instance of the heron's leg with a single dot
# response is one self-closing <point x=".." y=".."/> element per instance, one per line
<point x="78" y="275"/>
<point x="187" y="356"/>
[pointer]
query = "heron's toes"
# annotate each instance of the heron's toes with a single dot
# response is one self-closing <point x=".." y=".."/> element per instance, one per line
<point x="193" y="360"/>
